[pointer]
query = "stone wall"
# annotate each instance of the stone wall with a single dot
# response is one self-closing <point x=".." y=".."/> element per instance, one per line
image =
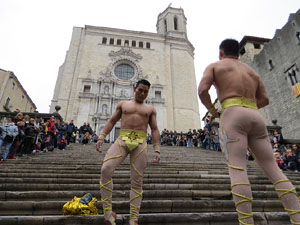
<point x="279" y="58"/>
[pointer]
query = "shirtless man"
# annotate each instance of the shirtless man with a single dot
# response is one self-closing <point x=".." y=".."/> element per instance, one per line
<point x="241" y="93"/>
<point x="135" y="116"/>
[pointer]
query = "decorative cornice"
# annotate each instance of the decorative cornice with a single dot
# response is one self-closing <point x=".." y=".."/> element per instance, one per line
<point x="125" y="51"/>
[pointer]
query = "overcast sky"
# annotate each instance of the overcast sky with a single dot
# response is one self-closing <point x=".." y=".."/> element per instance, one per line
<point x="35" y="34"/>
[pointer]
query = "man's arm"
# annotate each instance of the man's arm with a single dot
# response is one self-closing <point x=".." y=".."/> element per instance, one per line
<point x="109" y="126"/>
<point x="204" y="86"/>
<point x="155" y="135"/>
<point x="261" y="95"/>
<point x="113" y="120"/>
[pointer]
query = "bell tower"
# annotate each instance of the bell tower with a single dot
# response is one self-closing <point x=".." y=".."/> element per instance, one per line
<point x="172" y="23"/>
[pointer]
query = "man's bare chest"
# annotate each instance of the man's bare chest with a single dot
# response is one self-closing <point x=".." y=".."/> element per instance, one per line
<point x="138" y="110"/>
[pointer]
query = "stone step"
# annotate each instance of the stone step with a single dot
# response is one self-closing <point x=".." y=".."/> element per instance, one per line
<point x="213" y="218"/>
<point x="52" y="187"/>
<point x="124" y="195"/>
<point x="188" y="186"/>
<point x="148" y="206"/>
<point x="185" y="180"/>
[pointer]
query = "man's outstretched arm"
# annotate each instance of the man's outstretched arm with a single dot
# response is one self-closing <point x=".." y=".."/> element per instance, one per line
<point x="109" y="126"/>
<point x="155" y="136"/>
<point x="204" y="86"/>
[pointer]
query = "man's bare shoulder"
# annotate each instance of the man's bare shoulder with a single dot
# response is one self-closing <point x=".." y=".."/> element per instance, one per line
<point x="150" y="107"/>
<point x="212" y="65"/>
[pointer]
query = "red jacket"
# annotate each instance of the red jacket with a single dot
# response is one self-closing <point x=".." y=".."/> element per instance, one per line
<point x="51" y="126"/>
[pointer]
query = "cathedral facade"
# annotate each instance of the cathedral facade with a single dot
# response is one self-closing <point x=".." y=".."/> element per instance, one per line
<point x="103" y="64"/>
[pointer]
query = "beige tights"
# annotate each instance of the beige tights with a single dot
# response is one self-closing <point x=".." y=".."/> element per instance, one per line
<point x="113" y="158"/>
<point x="242" y="127"/>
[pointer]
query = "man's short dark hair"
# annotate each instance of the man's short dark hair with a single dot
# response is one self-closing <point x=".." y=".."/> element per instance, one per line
<point x="144" y="82"/>
<point x="230" y="47"/>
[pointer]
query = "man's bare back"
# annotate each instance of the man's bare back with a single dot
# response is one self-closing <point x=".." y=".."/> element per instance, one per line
<point x="233" y="78"/>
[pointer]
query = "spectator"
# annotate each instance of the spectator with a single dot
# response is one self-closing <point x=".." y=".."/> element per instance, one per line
<point x="206" y="141"/>
<point x="7" y="134"/>
<point x="62" y="130"/>
<point x="62" y="143"/>
<point x="82" y="130"/>
<point x="293" y="163"/>
<point x="189" y="137"/>
<point x="86" y="138"/>
<point x="277" y="137"/>
<point x="70" y="130"/>
<point x="46" y="143"/>
<point x="216" y="141"/>
<point x="296" y="150"/>
<point x="149" y="139"/>
<point x="52" y="131"/>
<point x="18" y="141"/>
<point x="89" y="129"/>
<point x="30" y="135"/>
<point x="280" y="161"/>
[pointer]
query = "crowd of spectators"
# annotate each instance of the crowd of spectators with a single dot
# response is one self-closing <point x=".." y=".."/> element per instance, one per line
<point x="204" y="138"/>
<point x="287" y="156"/>
<point x="22" y="135"/>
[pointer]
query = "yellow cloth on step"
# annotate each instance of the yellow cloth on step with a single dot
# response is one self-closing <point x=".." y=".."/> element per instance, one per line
<point x="74" y="207"/>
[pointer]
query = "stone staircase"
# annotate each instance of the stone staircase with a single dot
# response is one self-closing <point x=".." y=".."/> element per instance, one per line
<point x="189" y="186"/>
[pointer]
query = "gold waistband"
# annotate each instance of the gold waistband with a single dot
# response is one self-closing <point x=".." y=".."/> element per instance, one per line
<point x="132" y="138"/>
<point x="239" y="101"/>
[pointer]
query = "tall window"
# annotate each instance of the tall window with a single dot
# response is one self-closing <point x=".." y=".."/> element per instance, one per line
<point x="175" y="23"/>
<point x="148" y="45"/>
<point x="271" y="65"/>
<point x="104" y="40"/>
<point x="13" y="85"/>
<point x="7" y="102"/>
<point x="293" y="77"/>
<point x="126" y="43"/>
<point x="141" y="44"/>
<point x="166" y="26"/>
<point x="124" y="71"/>
<point x="111" y="41"/>
<point x="298" y="35"/>
<point x="133" y="43"/>
<point x="119" y="42"/>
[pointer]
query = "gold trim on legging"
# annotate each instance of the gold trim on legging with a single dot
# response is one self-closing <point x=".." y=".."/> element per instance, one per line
<point x="106" y="200"/>
<point x="133" y="161"/>
<point x="133" y="207"/>
<point x="245" y="198"/>
<point x="117" y="156"/>
<point x="288" y="191"/>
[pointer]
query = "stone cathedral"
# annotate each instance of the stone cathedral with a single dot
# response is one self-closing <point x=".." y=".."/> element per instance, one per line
<point x="102" y="65"/>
